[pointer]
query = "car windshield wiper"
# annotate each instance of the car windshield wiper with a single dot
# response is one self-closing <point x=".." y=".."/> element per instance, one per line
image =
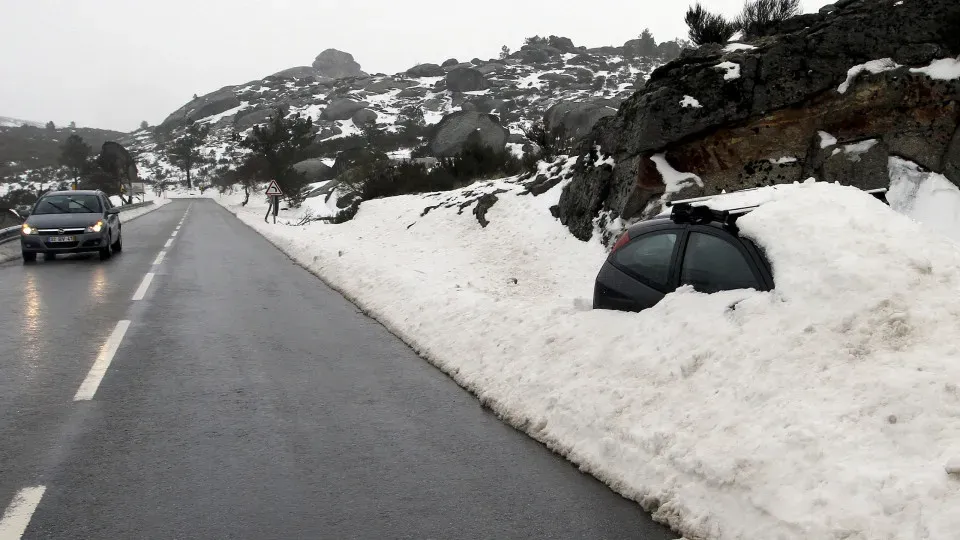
<point x="58" y="207"/>
<point x="92" y="211"/>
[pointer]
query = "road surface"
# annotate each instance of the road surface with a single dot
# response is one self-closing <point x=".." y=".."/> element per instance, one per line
<point x="201" y="385"/>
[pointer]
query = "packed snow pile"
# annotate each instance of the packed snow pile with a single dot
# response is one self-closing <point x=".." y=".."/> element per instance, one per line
<point x="829" y="408"/>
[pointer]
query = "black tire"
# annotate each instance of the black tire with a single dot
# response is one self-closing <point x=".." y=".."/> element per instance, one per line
<point x="105" y="253"/>
<point x="29" y="257"/>
<point x="118" y="245"/>
<point x="49" y="256"/>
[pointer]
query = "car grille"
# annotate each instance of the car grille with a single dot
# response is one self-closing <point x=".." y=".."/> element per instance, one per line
<point x="58" y="232"/>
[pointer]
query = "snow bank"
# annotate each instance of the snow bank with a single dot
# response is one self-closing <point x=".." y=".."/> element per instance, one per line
<point x="873" y="66"/>
<point x="690" y="101"/>
<point x="738" y="47"/>
<point x="825" y="409"/>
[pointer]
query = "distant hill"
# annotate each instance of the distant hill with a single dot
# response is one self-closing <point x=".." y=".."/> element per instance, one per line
<point x="501" y="97"/>
<point x="29" y="146"/>
<point x="6" y="121"/>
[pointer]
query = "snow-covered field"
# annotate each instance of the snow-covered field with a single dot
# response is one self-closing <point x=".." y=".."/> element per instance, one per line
<point x="11" y="250"/>
<point x="827" y="409"/>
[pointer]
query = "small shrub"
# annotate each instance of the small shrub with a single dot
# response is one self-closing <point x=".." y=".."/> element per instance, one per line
<point x="705" y="27"/>
<point x="759" y="15"/>
<point x="552" y="143"/>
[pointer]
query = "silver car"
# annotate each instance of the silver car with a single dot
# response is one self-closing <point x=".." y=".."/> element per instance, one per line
<point x="71" y="222"/>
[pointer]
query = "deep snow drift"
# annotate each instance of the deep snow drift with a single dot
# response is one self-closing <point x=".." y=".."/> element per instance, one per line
<point x="829" y="408"/>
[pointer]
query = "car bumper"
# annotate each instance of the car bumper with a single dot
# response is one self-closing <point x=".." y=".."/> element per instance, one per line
<point x="85" y="242"/>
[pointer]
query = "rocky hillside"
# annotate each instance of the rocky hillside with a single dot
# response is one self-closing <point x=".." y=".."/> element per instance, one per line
<point x="834" y="94"/>
<point x="498" y="97"/>
<point x="27" y="149"/>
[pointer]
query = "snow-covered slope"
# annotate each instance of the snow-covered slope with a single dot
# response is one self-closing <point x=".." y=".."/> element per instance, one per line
<point x="6" y="121"/>
<point x="518" y="89"/>
<point x="824" y="409"/>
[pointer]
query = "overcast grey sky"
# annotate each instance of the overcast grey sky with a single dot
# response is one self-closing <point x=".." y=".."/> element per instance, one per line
<point x="112" y="63"/>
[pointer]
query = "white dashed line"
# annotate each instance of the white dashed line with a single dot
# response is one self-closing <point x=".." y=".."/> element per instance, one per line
<point x="89" y="386"/>
<point x="174" y="235"/>
<point x="18" y="514"/>
<point x="144" y="285"/>
<point x="168" y="243"/>
<point x="159" y="258"/>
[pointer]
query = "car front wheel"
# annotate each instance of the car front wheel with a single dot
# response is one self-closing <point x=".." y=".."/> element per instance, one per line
<point x="105" y="252"/>
<point x="118" y="245"/>
<point x="29" y="257"/>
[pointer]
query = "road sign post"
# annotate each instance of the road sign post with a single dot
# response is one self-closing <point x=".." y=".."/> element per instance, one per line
<point x="274" y="192"/>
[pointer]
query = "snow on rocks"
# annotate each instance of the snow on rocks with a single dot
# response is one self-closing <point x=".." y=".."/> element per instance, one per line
<point x="873" y="66"/>
<point x="672" y="178"/>
<point x="826" y="140"/>
<point x="690" y="102"/>
<point x="945" y="69"/>
<point x="738" y="47"/>
<point x="732" y="70"/>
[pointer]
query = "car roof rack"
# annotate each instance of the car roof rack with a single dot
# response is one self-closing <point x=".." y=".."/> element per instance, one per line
<point x="687" y="211"/>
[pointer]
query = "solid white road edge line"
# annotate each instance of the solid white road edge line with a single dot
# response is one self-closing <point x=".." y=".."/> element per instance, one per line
<point x="88" y="388"/>
<point x="159" y="258"/>
<point x="144" y="285"/>
<point x="17" y="517"/>
<point x="168" y="243"/>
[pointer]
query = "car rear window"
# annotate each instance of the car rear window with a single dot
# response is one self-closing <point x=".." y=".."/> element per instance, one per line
<point x="649" y="257"/>
<point x="69" y="204"/>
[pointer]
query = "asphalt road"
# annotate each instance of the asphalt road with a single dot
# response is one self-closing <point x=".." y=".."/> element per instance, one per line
<point x="245" y="399"/>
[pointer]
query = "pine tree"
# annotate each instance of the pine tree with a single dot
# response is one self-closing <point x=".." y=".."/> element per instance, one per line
<point x="73" y="156"/>
<point x="144" y="125"/>
<point x="280" y="144"/>
<point x="184" y="152"/>
<point x="504" y="52"/>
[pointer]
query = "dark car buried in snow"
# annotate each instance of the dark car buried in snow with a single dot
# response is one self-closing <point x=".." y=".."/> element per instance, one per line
<point x="694" y="245"/>
<point x="71" y="222"/>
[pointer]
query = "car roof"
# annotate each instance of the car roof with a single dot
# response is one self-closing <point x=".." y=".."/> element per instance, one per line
<point x="73" y="192"/>
<point x="667" y="222"/>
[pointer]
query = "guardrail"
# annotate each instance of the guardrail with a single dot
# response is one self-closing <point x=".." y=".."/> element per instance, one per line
<point x="9" y="233"/>
<point x="12" y="233"/>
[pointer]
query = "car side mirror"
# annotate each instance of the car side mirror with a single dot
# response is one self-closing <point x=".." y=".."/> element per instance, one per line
<point x="113" y="211"/>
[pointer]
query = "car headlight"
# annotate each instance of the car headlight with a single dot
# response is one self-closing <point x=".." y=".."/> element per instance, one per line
<point x="28" y="229"/>
<point x="96" y="227"/>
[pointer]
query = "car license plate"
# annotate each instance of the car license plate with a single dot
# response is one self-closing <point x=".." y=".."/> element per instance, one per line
<point x="58" y="239"/>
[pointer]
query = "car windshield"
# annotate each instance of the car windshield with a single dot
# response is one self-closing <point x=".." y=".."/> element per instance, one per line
<point x="69" y="204"/>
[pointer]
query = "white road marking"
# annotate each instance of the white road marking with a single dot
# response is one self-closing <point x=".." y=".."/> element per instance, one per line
<point x="144" y="285"/>
<point x="174" y="234"/>
<point x="168" y="243"/>
<point x="18" y="514"/>
<point x="88" y="388"/>
<point x="159" y="258"/>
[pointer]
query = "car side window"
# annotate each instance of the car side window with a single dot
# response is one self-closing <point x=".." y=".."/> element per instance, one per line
<point x="712" y="264"/>
<point x="649" y="256"/>
<point x="107" y="204"/>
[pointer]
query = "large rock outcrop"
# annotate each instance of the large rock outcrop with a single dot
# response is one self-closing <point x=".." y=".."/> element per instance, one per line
<point x="202" y="107"/>
<point x="790" y="105"/>
<point x="576" y="119"/>
<point x="343" y="109"/>
<point x="464" y="79"/>
<point x="337" y="65"/>
<point x="456" y="128"/>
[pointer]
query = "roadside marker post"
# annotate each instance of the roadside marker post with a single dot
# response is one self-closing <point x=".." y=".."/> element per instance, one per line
<point x="274" y="192"/>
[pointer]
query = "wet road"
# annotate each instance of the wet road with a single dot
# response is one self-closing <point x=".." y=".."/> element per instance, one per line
<point x="231" y="394"/>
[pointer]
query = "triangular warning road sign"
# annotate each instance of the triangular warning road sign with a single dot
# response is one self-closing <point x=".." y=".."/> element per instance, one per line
<point x="273" y="190"/>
